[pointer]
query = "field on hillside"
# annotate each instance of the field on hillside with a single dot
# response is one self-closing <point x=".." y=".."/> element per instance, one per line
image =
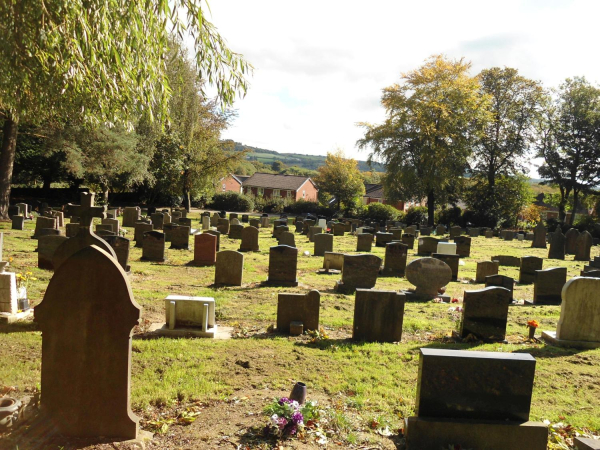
<point x="364" y="389"/>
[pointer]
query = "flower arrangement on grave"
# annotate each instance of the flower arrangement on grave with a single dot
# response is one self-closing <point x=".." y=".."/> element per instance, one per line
<point x="23" y="281"/>
<point x="287" y="417"/>
<point x="532" y="325"/>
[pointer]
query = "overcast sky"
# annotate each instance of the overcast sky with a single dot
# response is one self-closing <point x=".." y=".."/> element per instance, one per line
<point x="320" y="66"/>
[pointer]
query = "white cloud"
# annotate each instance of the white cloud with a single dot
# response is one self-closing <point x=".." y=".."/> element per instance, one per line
<point x="320" y="66"/>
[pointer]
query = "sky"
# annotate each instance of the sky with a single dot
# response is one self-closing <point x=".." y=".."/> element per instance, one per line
<point x="320" y="66"/>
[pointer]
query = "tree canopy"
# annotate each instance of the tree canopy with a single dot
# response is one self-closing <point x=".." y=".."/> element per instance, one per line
<point x="340" y="178"/>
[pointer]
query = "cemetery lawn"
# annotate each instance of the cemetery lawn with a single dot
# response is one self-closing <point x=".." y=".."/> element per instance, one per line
<point x="202" y="393"/>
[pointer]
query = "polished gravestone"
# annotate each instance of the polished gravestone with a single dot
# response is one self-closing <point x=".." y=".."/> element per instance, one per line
<point x="485" y="313"/>
<point x="548" y="285"/>
<point x="394" y="263"/>
<point x="529" y="265"/>
<point x="359" y="271"/>
<point x="484" y="269"/>
<point x="153" y="246"/>
<point x="205" y="249"/>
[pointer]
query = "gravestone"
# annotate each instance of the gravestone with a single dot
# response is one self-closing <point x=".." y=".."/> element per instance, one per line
<point x="548" y="285"/>
<point x="428" y="275"/>
<point x="312" y="231"/>
<point x="121" y="246"/>
<point x="71" y="229"/>
<point x="507" y="235"/>
<point x="43" y="222"/>
<point x="280" y="229"/>
<point x="254" y="223"/>
<point x="583" y="246"/>
<point x="245" y="218"/>
<point x="153" y="246"/>
<point x="23" y="209"/>
<point x="474" y="232"/>
<point x="485" y="269"/>
<point x="427" y="245"/>
<point x="114" y="223"/>
<point x="85" y="237"/>
<point x="287" y="238"/>
<point x="86" y="318"/>
<point x="205" y="222"/>
<point x="529" y="265"/>
<point x="249" y="238"/>
<point x="408" y="240"/>
<point x="279" y="223"/>
<point x="264" y="222"/>
<point x="323" y="243"/>
<point x="50" y="232"/>
<point x="175" y="216"/>
<point x="235" y="231"/>
<point x="180" y="238"/>
<point x="223" y="226"/>
<point x="539" y="236"/>
<point x="381" y="239"/>
<point x="299" y="226"/>
<point x="205" y="249"/>
<point x="283" y="266"/>
<point x="557" y="245"/>
<point x="214" y="219"/>
<point x="359" y="271"/>
<point x="396" y="234"/>
<point x="455" y="232"/>
<point x="579" y="324"/>
<point x="18" y="222"/>
<point x="233" y="216"/>
<point x="339" y="229"/>
<point x="104" y="229"/>
<point x="485" y="313"/>
<point x="218" y="235"/>
<point x="378" y="315"/>
<point x="463" y="246"/>
<point x="332" y="263"/>
<point x="489" y="234"/>
<point x="500" y="281"/>
<point x="13" y="210"/>
<point x="47" y="246"/>
<point x="364" y="241"/>
<point x="394" y="263"/>
<point x="506" y="260"/>
<point x="139" y="229"/>
<point x="571" y="237"/>
<point x="440" y="230"/>
<point x="411" y="230"/>
<point x="131" y="215"/>
<point x="302" y="308"/>
<point x="158" y="220"/>
<point x="425" y="231"/>
<point x="229" y="268"/>
<point x="446" y="248"/>
<point x="451" y="260"/>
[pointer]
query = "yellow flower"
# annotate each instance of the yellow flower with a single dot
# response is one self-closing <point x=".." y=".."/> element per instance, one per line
<point x="33" y="279"/>
<point x="19" y="275"/>
<point x="29" y="273"/>
<point x="10" y="259"/>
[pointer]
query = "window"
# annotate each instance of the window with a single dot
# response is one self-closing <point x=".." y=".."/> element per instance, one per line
<point x="303" y="194"/>
<point x="224" y="187"/>
<point x="276" y="193"/>
<point x="288" y="194"/>
<point x="261" y="191"/>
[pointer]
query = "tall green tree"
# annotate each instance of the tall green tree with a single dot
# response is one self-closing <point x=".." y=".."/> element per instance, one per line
<point x="99" y="62"/>
<point x="570" y="141"/>
<point x="339" y="177"/>
<point x="433" y="118"/>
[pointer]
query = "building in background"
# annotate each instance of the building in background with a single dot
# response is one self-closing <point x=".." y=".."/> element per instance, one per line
<point x="268" y="185"/>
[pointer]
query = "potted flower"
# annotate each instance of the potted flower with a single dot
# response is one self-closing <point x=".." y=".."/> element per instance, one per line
<point x="288" y="417"/>
<point x="22" y="285"/>
<point x="532" y="325"/>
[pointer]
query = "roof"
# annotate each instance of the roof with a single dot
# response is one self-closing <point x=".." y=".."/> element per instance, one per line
<point x="240" y="178"/>
<point x="276" y="181"/>
<point x="374" y="191"/>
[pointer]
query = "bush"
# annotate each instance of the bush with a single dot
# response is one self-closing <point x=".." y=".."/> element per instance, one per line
<point x="416" y="215"/>
<point x="449" y="216"/>
<point x="270" y="205"/>
<point x="379" y="212"/>
<point x="587" y="223"/>
<point x="305" y="207"/>
<point x="232" y="201"/>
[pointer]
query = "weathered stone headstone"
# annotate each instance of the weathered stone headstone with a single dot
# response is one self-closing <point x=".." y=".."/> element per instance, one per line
<point x="440" y="230"/>
<point x="548" y="285"/>
<point x="428" y="275"/>
<point x="139" y="229"/>
<point x="43" y="222"/>
<point x="298" y="308"/>
<point x="451" y="260"/>
<point x="323" y="243"/>
<point x="47" y="246"/>
<point x="506" y="260"/>
<point x="507" y="235"/>
<point x="381" y="239"/>
<point x="489" y="234"/>
<point x="287" y="238"/>
<point x="394" y="263"/>
<point x="378" y="315"/>
<point x="104" y="228"/>
<point x="529" y="265"/>
<point x="264" y="222"/>
<point x="86" y="319"/>
<point x="254" y="223"/>
<point x="18" y="222"/>
<point x="539" y="236"/>
<point x="23" y="209"/>
<point x="339" y="229"/>
<point x="360" y="271"/>
<point x="158" y="220"/>
<point x="180" y="238"/>
<point x="332" y="263"/>
<point x="312" y="231"/>
<point x="463" y="246"/>
<point x="283" y="266"/>
<point x="71" y="229"/>
<point x="485" y="313"/>
<point x="408" y="240"/>
<point x="280" y="229"/>
<point x="131" y="215"/>
<point x="235" y="231"/>
<point x="425" y="231"/>
<point x="114" y="223"/>
<point x="364" y="241"/>
<point x="223" y="226"/>
<point x="557" y="245"/>
<point x="427" y="245"/>
<point x="500" y="281"/>
<point x="153" y="246"/>
<point x="485" y="269"/>
<point x="229" y="268"/>
<point x="121" y="246"/>
<point x="455" y="232"/>
<point x="583" y="246"/>
<point x="205" y="249"/>
<point x="474" y="232"/>
<point x="571" y="237"/>
<point x="249" y="236"/>
<point x="218" y="235"/>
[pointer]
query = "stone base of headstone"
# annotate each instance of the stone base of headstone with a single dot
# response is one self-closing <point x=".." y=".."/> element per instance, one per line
<point x="281" y="283"/>
<point x="587" y="443"/>
<point x="216" y="332"/>
<point x="328" y="272"/>
<point x="16" y="317"/>
<point x="412" y="296"/>
<point x="550" y="337"/>
<point x="426" y="434"/>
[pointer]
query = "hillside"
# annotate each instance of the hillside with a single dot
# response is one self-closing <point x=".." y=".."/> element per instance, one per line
<point x="311" y="162"/>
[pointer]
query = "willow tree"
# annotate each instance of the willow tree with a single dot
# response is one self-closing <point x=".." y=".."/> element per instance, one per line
<point x="99" y="62"/>
<point x="433" y="117"/>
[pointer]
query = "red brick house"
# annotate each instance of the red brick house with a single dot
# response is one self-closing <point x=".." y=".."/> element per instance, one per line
<point x="232" y="183"/>
<point x="374" y="194"/>
<point x="270" y="185"/>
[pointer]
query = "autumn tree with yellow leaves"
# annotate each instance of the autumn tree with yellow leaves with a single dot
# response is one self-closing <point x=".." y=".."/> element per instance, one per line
<point x="340" y="178"/>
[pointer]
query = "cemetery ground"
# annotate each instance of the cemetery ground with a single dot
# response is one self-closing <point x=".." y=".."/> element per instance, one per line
<point x="205" y="393"/>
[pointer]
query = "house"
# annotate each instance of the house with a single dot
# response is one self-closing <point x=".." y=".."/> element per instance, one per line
<point x="374" y="194"/>
<point x="233" y="183"/>
<point x="270" y="185"/>
<point x="551" y="212"/>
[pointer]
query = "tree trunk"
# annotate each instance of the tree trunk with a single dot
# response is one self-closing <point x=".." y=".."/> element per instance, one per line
<point x="47" y="183"/>
<point x="561" y="206"/>
<point x="187" y="203"/>
<point x="105" y="191"/>
<point x="7" y="160"/>
<point x="574" y="210"/>
<point x="430" y="208"/>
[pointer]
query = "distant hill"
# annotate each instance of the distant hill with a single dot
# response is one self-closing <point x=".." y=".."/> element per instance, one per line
<point x="311" y="162"/>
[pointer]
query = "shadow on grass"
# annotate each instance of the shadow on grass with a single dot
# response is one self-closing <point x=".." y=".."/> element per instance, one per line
<point x="18" y="327"/>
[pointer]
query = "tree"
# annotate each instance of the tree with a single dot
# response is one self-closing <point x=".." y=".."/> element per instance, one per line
<point x="339" y="178"/>
<point x="570" y="141"/>
<point x="432" y="120"/>
<point x="86" y="60"/>
<point x="277" y="166"/>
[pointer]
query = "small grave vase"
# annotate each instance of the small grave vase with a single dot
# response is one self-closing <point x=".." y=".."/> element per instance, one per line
<point x="298" y="393"/>
<point x="531" y="332"/>
<point x="9" y="412"/>
<point x="22" y="300"/>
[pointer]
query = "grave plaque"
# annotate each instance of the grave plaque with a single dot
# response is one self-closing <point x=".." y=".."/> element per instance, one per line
<point x="249" y="238"/>
<point x="485" y="269"/>
<point x="298" y="308"/>
<point x="47" y="246"/>
<point x="121" y="247"/>
<point x="205" y="249"/>
<point x="360" y="271"/>
<point x="548" y="285"/>
<point x="529" y="265"/>
<point x="451" y="260"/>
<point x="485" y="313"/>
<point x="86" y="347"/>
<point x="229" y="268"/>
<point x="463" y="246"/>
<point x="378" y="315"/>
<point x="323" y="243"/>
<point x="395" y="259"/>
<point x="153" y="246"/>
<point x="557" y="245"/>
<point x="283" y="266"/>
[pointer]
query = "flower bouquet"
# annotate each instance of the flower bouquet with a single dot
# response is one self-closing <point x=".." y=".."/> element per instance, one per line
<point x="22" y="285"/>
<point x="288" y="417"/>
<point x="532" y="325"/>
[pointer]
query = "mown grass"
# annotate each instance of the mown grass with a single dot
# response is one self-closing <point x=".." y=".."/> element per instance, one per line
<point x="375" y="381"/>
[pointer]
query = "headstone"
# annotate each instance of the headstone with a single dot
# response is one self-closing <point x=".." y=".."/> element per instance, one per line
<point x="529" y="265"/>
<point x="280" y="229"/>
<point x="131" y="215"/>
<point x="500" y="281"/>
<point x="287" y="238"/>
<point x="218" y="235"/>
<point x="86" y="319"/>
<point x="299" y="226"/>
<point x="214" y="219"/>
<point x="323" y="243"/>
<point x="539" y="236"/>
<point x="582" y="443"/>
<point x="166" y="217"/>
<point x="451" y="260"/>
<point x="360" y="271"/>
<point x="474" y="232"/>
<point x="485" y="269"/>
<point x="229" y="268"/>
<point x="312" y="231"/>
<point x="18" y="222"/>
<point x="114" y="223"/>
<point x="158" y="220"/>
<point x="507" y="260"/>
<point x="455" y="232"/>
<point x="489" y="234"/>
<point x="23" y="209"/>
<point x="395" y="259"/>
<point x="557" y="245"/>
<point x="381" y="239"/>
<point x="235" y="231"/>
<point x="298" y="308"/>
<point x="205" y="249"/>
<point x="205" y="222"/>
<point x="507" y="235"/>
<point x="428" y="275"/>
<point x="283" y="266"/>
<point x="139" y="229"/>
<point x="249" y="237"/>
<point x="425" y="231"/>
<point x="485" y="313"/>
<point x="180" y="238"/>
<point x="121" y="246"/>
<point x="378" y="315"/>
<point x="60" y="218"/>
<point x="548" y="285"/>
<point x="245" y="218"/>
<point x="322" y="223"/>
<point x="106" y="228"/>
<point x="223" y="226"/>
<point x="153" y="246"/>
<point x="71" y="229"/>
<point x="427" y="245"/>
<point x="440" y="230"/>
<point x="396" y="234"/>
<point x="264" y="222"/>
<point x="13" y="210"/>
<point x="254" y="223"/>
<point x="333" y="262"/>
<point x="43" y="222"/>
<point x="47" y="246"/>
<point x="463" y="246"/>
<point x="364" y="241"/>
<point x="571" y="237"/>
<point x="175" y="216"/>
<point x="408" y="240"/>
<point x="233" y="216"/>
<point x="339" y="229"/>
<point x="583" y="246"/>
<point x="446" y="248"/>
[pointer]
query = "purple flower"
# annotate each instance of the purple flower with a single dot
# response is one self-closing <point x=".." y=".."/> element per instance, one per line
<point x="282" y="422"/>
<point x="284" y="400"/>
<point x="297" y="418"/>
<point x="293" y="429"/>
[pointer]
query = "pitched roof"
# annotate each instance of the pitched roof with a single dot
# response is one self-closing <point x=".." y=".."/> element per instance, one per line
<point x="374" y="191"/>
<point x="276" y="181"/>
<point x="240" y="178"/>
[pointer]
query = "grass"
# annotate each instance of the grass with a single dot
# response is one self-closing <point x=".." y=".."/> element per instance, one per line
<point x="363" y="383"/>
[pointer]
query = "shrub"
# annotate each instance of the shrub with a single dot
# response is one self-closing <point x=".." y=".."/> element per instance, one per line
<point x="270" y="205"/>
<point x="379" y="212"/>
<point x="302" y="207"/>
<point x="232" y="201"/>
<point x="449" y="216"/>
<point x="416" y="215"/>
